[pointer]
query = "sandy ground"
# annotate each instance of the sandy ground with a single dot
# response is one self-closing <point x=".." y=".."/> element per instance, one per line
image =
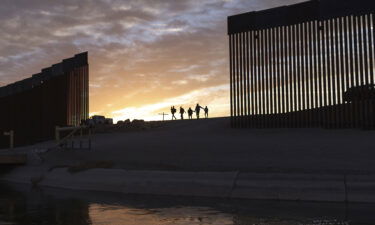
<point x="211" y="145"/>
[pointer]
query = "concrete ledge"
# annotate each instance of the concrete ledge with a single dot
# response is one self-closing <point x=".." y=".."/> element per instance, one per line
<point x="22" y="175"/>
<point x="290" y="187"/>
<point x="303" y="187"/>
<point x="361" y="188"/>
<point x="208" y="184"/>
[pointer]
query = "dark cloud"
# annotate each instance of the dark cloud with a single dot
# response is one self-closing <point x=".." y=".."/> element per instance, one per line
<point x="140" y="51"/>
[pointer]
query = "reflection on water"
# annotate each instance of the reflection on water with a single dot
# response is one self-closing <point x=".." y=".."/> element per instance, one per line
<point x="107" y="214"/>
<point x="23" y="206"/>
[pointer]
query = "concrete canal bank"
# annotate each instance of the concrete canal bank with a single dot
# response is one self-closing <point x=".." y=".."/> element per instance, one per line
<point x="293" y="187"/>
<point x="208" y="158"/>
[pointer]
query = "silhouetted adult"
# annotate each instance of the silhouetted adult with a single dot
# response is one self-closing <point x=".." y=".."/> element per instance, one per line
<point x="173" y="111"/>
<point x="182" y="111"/>
<point x="190" y="113"/>
<point x="197" y="110"/>
<point x="206" y="112"/>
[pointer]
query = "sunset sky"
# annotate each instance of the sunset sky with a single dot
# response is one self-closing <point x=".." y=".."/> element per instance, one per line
<point x="144" y="55"/>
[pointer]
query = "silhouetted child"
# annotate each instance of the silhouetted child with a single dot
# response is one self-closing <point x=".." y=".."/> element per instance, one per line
<point x="182" y="111"/>
<point x="173" y="111"/>
<point x="190" y="113"/>
<point x="197" y="110"/>
<point x="206" y="112"/>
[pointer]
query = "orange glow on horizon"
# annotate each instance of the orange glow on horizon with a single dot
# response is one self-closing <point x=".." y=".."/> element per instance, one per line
<point x="144" y="56"/>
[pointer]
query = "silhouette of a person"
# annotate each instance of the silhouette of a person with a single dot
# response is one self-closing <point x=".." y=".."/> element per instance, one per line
<point x="190" y="113"/>
<point x="206" y="112"/>
<point x="173" y="111"/>
<point x="197" y="110"/>
<point x="182" y="111"/>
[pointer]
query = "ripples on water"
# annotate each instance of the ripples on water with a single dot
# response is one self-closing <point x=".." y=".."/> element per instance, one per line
<point x="22" y="206"/>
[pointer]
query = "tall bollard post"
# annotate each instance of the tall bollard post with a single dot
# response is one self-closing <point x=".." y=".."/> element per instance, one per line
<point x="89" y="139"/>
<point x="11" y="138"/>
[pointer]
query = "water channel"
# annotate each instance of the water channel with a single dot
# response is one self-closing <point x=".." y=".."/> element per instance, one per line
<point x="23" y="205"/>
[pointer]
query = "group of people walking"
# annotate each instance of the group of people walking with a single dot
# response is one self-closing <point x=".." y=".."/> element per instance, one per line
<point x="189" y="112"/>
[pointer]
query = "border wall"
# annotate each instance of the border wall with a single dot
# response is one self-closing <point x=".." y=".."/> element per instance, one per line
<point x="57" y="96"/>
<point x="304" y="65"/>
